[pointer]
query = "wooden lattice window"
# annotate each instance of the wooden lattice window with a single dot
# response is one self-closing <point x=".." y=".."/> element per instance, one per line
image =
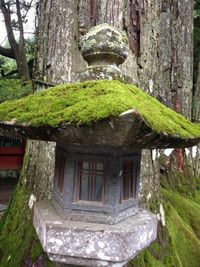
<point x="91" y="181"/>
<point x="61" y="174"/>
<point x="128" y="185"/>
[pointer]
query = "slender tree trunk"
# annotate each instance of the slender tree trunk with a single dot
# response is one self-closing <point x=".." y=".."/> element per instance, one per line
<point x="17" y="50"/>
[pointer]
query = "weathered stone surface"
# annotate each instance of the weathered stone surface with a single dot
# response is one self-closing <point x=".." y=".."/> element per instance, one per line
<point x="104" y="45"/>
<point x="111" y="209"/>
<point x="93" y="244"/>
<point x="101" y="72"/>
<point x="96" y="217"/>
<point x="128" y="129"/>
<point x="104" y="48"/>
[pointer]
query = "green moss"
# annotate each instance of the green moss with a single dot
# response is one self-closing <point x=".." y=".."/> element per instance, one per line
<point x="181" y="182"/>
<point x="178" y="244"/>
<point x="36" y="251"/>
<point x="198" y="183"/>
<point x="187" y="209"/>
<point x="146" y="259"/>
<point x="162" y="257"/>
<point x="19" y="244"/>
<point x="13" y="236"/>
<point x="154" y="205"/>
<point x="197" y="197"/>
<point x="3" y="219"/>
<point x="184" y="240"/>
<point x="89" y="102"/>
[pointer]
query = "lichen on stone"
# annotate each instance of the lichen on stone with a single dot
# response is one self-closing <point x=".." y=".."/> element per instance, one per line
<point x="122" y="37"/>
<point x="104" y="40"/>
<point x="90" y="102"/>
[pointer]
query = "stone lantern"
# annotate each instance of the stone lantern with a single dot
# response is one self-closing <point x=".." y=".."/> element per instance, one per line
<point x="98" y="183"/>
<point x="95" y="194"/>
<point x="100" y="128"/>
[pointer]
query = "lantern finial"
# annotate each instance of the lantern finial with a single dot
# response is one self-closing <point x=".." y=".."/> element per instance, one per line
<point x="104" y="45"/>
<point x="104" y="48"/>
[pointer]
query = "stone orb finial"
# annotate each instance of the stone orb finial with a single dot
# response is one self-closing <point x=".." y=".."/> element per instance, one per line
<point x="104" y="45"/>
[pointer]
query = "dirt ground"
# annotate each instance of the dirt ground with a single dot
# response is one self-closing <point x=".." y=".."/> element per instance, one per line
<point x="7" y="186"/>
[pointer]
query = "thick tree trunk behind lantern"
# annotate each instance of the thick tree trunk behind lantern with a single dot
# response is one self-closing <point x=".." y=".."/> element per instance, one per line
<point x="160" y="36"/>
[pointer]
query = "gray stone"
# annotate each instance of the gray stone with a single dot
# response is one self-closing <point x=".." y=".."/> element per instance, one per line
<point x="2" y="207"/>
<point x="104" y="48"/>
<point x="93" y="244"/>
<point x="129" y="129"/>
<point x="110" y="209"/>
<point x="104" y="72"/>
<point x="104" y="45"/>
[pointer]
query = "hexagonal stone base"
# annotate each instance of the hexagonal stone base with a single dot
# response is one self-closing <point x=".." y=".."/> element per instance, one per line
<point x="93" y="244"/>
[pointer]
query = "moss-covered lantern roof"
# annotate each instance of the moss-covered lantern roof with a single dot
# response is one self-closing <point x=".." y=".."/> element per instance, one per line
<point x="101" y="112"/>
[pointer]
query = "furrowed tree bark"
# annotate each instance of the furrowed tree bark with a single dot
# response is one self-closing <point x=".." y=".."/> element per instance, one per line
<point x="196" y="118"/>
<point x="160" y="61"/>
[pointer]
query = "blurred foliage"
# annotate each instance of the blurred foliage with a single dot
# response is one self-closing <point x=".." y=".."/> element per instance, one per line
<point x="197" y="8"/>
<point x="14" y="89"/>
<point x="29" y="45"/>
<point x="7" y="64"/>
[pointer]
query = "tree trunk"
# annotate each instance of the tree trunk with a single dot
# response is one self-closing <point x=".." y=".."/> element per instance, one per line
<point x="196" y="118"/>
<point x="17" y="50"/>
<point x="160" y="61"/>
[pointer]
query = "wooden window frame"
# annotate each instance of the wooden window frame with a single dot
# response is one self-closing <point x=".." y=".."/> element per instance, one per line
<point x="60" y="174"/>
<point x="91" y="173"/>
<point x="129" y="181"/>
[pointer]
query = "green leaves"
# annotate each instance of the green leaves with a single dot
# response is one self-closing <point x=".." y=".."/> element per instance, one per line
<point x="13" y="89"/>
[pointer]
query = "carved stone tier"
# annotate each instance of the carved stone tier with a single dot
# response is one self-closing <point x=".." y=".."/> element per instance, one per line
<point x="93" y="244"/>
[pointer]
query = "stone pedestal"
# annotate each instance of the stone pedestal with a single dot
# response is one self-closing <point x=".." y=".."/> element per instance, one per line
<point x="92" y="244"/>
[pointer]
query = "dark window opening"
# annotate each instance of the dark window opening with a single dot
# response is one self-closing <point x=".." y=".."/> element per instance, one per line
<point x="128" y="185"/>
<point x="91" y="181"/>
<point x="61" y="174"/>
